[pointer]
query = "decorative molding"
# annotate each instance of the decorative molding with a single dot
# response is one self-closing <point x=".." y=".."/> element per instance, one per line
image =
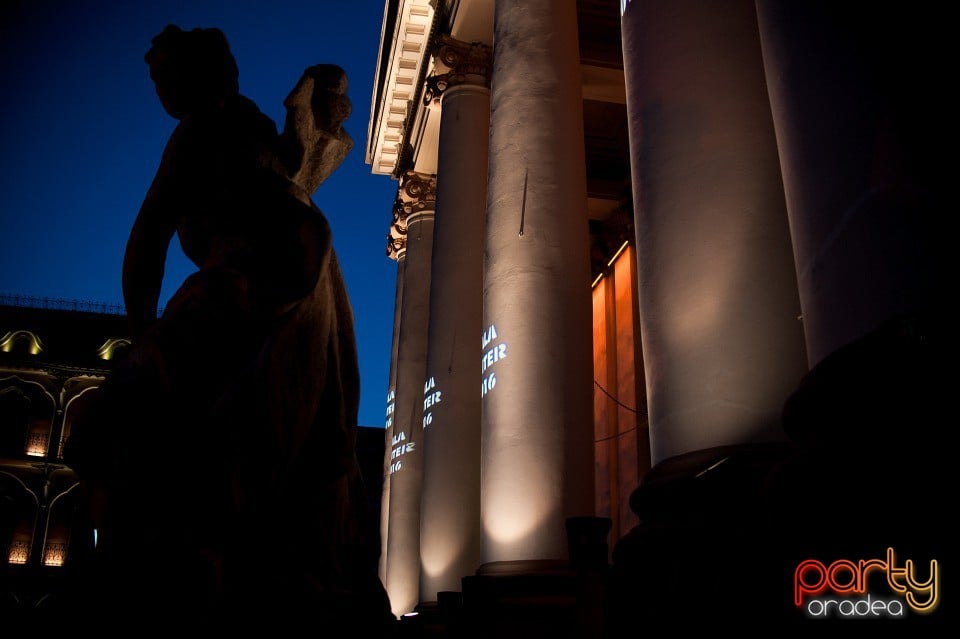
<point x="417" y="193"/>
<point x="457" y="62"/>
<point x="467" y="58"/>
<point x="396" y="245"/>
<point x="433" y="88"/>
<point x="397" y="237"/>
<point x="404" y="46"/>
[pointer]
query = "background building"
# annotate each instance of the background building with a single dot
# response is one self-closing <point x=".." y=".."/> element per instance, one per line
<point x="53" y="356"/>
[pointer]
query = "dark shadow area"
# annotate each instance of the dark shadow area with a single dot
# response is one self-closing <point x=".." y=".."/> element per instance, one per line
<point x="723" y="530"/>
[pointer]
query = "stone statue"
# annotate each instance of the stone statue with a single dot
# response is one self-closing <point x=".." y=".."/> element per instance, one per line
<point x="220" y="453"/>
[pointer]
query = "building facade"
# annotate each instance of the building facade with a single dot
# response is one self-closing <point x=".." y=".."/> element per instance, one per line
<point x="54" y="354"/>
<point x="735" y="189"/>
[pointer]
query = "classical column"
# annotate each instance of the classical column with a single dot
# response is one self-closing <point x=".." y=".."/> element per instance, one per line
<point x="537" y="444"/>
<point x="860" y="117"/>
<point x="722" y="341"/>
<point x="414" y="210"/>
<point x="450" y="511"/>
<point x="396" y="249"/>
<point x="866" y="137"/>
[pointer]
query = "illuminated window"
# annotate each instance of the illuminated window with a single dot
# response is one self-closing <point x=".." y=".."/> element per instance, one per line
<point x="37" y="443"/>
<point x="55" y="554"/>
<point x="19" y="552"/>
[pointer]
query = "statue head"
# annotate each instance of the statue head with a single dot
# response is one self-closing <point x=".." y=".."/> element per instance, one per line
<point x="193" y="70"/>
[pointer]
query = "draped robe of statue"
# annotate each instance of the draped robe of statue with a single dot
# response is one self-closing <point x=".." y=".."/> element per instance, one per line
<point x="221" y="450"/>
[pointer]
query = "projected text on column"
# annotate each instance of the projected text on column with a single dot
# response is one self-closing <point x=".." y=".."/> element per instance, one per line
<point x="494" y="350"/>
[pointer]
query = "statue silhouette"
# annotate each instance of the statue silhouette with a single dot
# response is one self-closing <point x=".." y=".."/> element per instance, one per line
<point x="220" y="453"/>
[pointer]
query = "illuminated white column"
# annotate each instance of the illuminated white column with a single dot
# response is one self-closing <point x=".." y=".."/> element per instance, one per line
<point x="722" y="341"/>
<point x="537" y="444"/>
<point x="396" y="249"/>
<point x="415" y="209"/>
<point x="450" y="510"/>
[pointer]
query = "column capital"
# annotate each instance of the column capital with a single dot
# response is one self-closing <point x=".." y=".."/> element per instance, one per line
<point x="457" y="62"/>
<point x="396" y="244"/>
<point x="417" y="193"/>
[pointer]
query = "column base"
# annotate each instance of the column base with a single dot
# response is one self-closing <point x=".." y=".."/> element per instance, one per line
<point x="723" y="530"/>
<point x="534" y="598"/>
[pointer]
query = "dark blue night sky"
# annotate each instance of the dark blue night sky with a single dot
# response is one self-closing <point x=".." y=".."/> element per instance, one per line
<point x="82" y="132"/>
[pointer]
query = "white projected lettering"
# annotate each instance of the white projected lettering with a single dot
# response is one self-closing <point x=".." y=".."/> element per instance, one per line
<point x="488" y="383"/>
<point x="400" y="447"/>
<point x="488" y="336"/>
<point x="491" y="355"/>
<point x="431" y="397"/>
<point x="391" y="396"/>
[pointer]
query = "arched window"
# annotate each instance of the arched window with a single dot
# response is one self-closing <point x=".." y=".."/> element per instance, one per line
<point x="18" y="513"/>
<point x="60" y="523"/>
<point x="27" y="412"/>
<point x="14" y="421"/>
<point x="75" y="407"/>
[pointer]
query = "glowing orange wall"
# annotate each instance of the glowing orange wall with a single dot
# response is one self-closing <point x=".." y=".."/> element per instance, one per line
<point x="621" y="435"/>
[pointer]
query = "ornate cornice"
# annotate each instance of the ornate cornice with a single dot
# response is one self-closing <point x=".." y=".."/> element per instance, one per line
<point x="405" y="42"/>
<point x="457" y="62"/>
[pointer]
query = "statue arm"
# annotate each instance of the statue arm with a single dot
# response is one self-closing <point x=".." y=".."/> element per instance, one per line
<point x="143" y="262"/>
<point x="314" y="143"/>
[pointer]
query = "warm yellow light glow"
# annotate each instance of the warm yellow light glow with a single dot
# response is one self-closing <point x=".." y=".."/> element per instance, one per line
<point x="9" y="341"/>
<point x="617" y="254"/>
<point x="55" y="554"/>
<point x="440" y="552"/>
<point x="403" y="599"/>
<point x="513" y="520"/>
<point x="106" y="351"/>
<point x="518" y="508"/>
<point x="37" y="444"/>
<point x="19" y="552"/>
<point x="610" y="262"/>
<point x="705" y="300"/>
